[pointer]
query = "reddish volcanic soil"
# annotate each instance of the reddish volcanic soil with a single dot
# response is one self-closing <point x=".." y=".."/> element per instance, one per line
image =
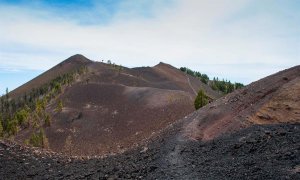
<point x="108" y="110"/>
<point x="114" y="117"/>
<point x="64" y="67"/>
<point x="272" y="100"/>
<point x="252" y="133"/>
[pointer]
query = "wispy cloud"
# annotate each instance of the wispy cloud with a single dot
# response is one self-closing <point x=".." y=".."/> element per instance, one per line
<point x="203" y="35"/>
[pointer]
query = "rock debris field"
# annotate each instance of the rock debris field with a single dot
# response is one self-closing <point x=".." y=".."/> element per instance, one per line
<point x="258" y="152"/>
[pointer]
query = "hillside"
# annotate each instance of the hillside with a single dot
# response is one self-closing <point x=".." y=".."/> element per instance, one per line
<point x="252" y="133"/>
<point x="67" y="66"/>
<point x="105" y="108"/>
<point x="271" y="100"/>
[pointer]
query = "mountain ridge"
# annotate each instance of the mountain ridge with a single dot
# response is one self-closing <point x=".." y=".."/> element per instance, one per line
<point x="250" y="133"/>
<point x="97" y="108"/>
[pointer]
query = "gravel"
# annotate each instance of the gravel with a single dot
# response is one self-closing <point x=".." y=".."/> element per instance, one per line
<point x="258" y="152"/>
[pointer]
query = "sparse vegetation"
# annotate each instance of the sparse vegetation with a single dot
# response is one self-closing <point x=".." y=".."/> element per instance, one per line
<point x="201" y="99"/>
<point x="47" y="120"/>
<point x="22" y="116"/>
<point x="59" y="106"/>
<point x="203" y="77"/>
<point x="1" y="127"/>
<point x="116" y="67"/>
<point x="12" y="127"/>
<point x="38" y="139"/>
<point x="223" y="86"/>
<point x="30" y="109"/>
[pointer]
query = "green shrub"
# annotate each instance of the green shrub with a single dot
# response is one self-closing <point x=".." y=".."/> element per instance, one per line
<point x="48" y="120"/>
<point x="35" y="120"/>
<point x="38" y="139"/>
<point x="12" y="127"/>
<point x="22" y="117"/>
<point x="201" y="99"/>
<point x="59" y="106"/>
<point x="1" y="129"/>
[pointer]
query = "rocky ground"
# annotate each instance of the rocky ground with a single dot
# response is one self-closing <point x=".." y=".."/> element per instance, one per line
<point x="258" y="152"/>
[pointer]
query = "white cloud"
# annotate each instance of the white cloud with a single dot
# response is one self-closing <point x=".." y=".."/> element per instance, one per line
<point x="189" y="33"/>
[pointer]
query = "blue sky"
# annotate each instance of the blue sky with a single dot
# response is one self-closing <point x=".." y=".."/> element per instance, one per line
<point x="240" y="40"/>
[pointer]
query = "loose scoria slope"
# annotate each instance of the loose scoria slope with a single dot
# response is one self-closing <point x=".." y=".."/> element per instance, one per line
<point x="271" y="100"/>
<point x="108" y="109"/>
<point x="258" y="152"/>
<point x="261" y="141"/>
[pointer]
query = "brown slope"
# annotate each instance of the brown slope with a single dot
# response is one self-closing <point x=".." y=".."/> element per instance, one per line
<point x="68" y="65"/>
<point x="114" y="117"/>
<point x="271" y="100"/>
<point x="109" y="110"/>
<point x="185" y="81"/>
<point x="259" y="152"/>
<point x="162" y="76"/>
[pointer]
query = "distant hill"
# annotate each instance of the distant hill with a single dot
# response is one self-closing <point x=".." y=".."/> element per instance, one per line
<point x="223" y="86"/>
<point x="82" y="107"/>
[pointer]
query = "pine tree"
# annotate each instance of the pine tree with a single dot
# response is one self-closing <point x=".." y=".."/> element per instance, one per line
<point x="47" y="120"/>
<point x="38" y="139"/>
<point x="1" y="127"/>
<point x="59" y="106"/>
<point x="201" y="99"/>
<point x="6" y="94"/>
<point x="22" y="117"/>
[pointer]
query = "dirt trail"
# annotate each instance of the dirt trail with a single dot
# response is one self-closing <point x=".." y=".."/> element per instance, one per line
<point x="191" y="86"/>
<point x="177" y="144"/>
<point x="180" y="167"/>
<point x="259" y="152"/>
